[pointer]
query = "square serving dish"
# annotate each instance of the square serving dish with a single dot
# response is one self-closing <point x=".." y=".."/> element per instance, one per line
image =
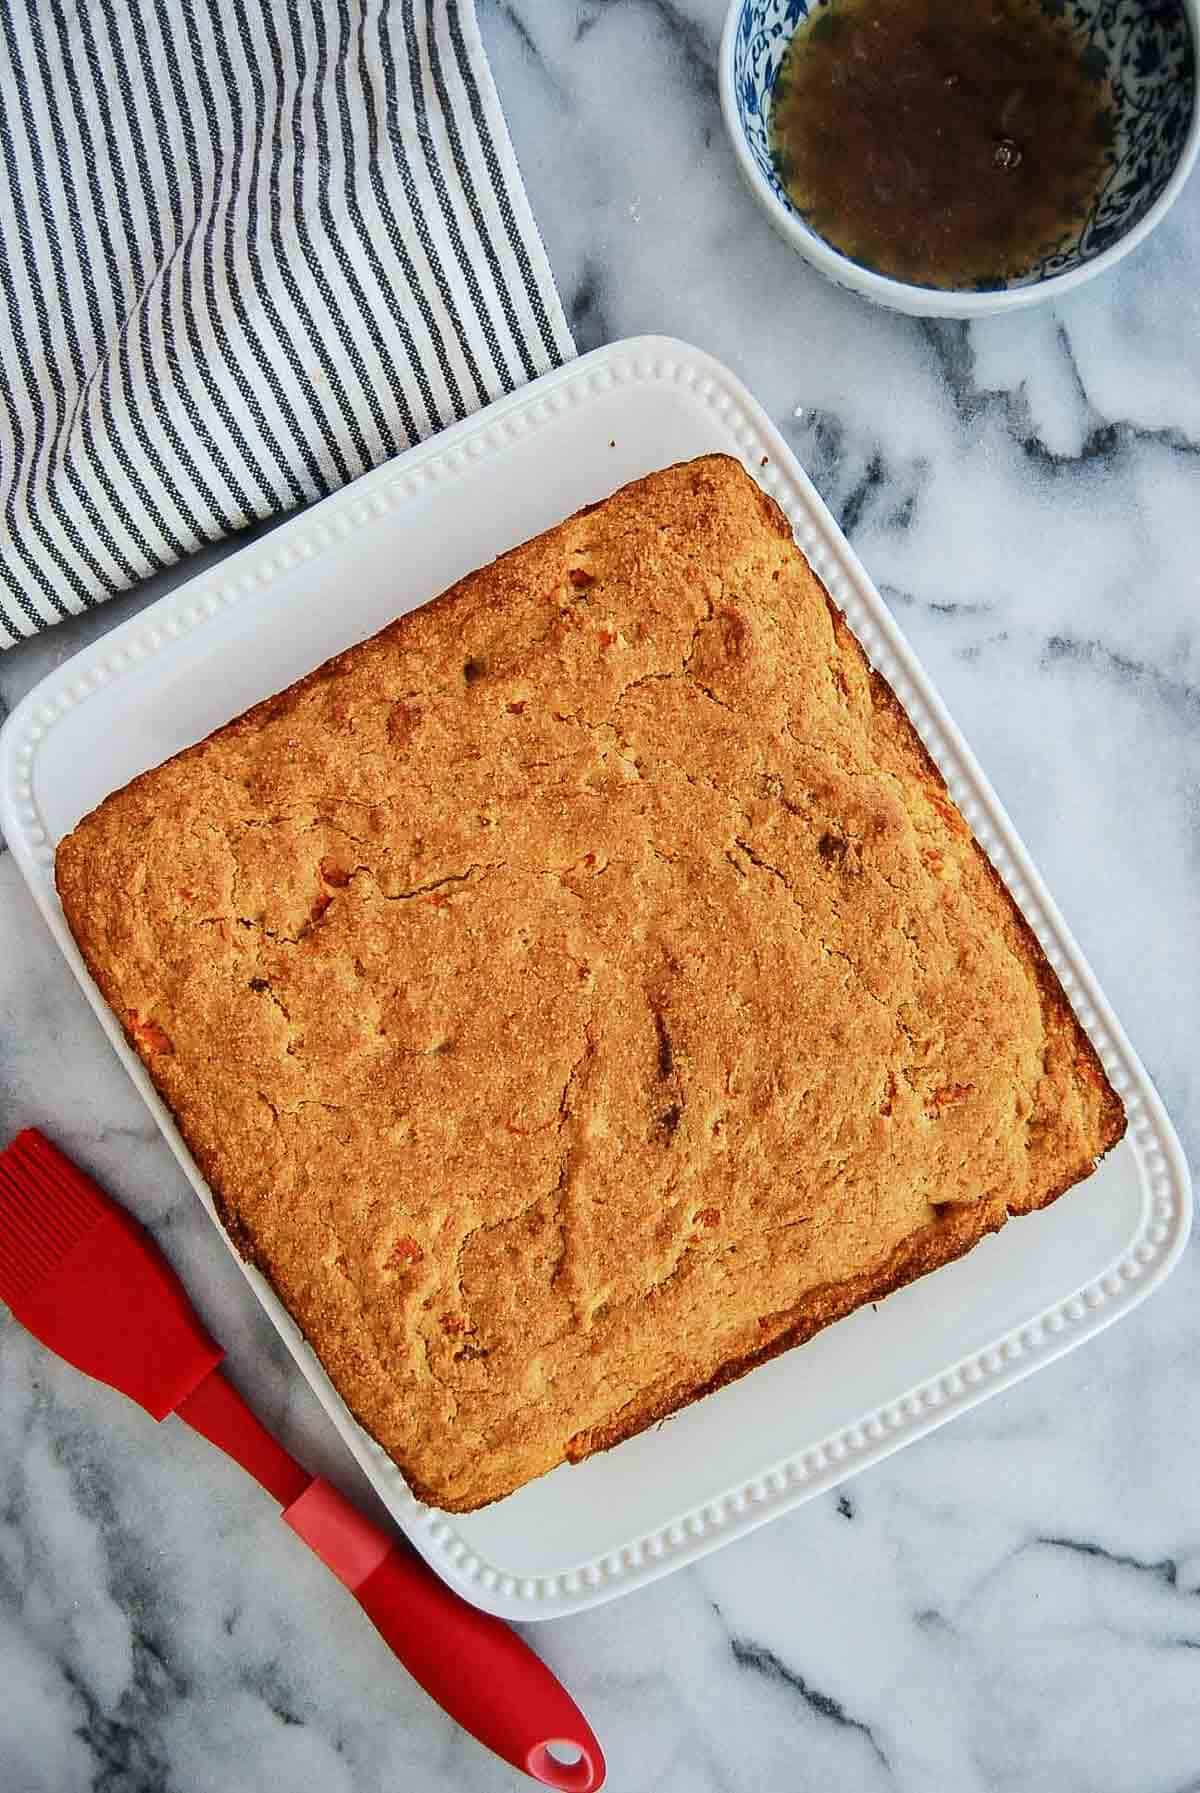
<point x="335" y="574"/>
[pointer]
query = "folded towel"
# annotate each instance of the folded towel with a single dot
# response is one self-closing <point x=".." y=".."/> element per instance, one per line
<point x="247" y="250"/>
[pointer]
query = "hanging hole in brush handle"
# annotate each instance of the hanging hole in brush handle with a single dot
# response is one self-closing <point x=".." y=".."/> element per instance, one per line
<point x="564" y="1765"/>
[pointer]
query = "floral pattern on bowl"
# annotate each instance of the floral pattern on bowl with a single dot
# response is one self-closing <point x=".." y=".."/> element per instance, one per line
<point x="1145" y="49"/>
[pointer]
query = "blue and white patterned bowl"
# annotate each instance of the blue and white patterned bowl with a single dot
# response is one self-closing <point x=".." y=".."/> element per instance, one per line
<point x="1151" y="52"/>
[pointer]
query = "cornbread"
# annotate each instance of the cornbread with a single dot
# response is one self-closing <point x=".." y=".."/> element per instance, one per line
<point x="585" y="989"/>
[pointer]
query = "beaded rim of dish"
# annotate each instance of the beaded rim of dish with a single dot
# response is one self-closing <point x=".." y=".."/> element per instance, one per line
<point x="820" y="1464"/>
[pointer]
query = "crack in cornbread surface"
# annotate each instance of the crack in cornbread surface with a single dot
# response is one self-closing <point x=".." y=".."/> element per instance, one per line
<point x="584" y="989"/>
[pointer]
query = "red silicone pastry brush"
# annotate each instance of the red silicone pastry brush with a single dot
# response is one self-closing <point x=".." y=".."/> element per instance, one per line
<point x="86" y="1280"/>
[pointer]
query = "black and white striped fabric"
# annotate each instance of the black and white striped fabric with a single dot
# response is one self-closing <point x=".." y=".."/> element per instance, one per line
<point x="247" y="250"/>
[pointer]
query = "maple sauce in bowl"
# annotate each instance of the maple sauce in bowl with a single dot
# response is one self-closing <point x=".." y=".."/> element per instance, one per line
<point x="948" y="142"/>
<point x="957" y="156"/>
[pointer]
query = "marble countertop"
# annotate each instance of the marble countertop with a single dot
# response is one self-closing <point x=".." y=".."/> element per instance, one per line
<point x="1014" y="1602"/>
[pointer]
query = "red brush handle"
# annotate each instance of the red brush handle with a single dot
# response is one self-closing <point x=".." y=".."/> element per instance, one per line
<point x="477" y="1670"/>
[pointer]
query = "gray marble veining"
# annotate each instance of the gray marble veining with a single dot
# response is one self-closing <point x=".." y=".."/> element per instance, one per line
<point x="1014" y="1603"/>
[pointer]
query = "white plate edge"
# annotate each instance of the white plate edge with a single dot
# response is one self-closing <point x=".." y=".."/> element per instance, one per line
<point x="1149" y="1255"/>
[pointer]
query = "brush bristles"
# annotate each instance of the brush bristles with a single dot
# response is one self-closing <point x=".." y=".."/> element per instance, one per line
<point x="46" y="1206"/>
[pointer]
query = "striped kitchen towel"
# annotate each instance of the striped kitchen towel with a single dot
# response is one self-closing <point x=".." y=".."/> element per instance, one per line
<point x="247" y="250"/>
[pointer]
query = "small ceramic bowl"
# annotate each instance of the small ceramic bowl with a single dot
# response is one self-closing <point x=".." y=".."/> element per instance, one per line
<point x="1151" y="50"/>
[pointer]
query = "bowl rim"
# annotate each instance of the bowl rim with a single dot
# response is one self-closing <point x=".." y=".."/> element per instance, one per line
<point x="924" y="301"/>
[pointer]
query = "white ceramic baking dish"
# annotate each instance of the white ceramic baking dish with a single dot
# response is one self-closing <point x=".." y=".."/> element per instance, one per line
<point x="394" y="539"/>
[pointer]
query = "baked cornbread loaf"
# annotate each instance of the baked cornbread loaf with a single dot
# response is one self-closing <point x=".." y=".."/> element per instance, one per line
<point x="584" y="989"/>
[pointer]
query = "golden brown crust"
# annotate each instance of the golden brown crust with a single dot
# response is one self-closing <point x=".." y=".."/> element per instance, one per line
<point x="922" y="1252"/>
<point x="585" y="989"/>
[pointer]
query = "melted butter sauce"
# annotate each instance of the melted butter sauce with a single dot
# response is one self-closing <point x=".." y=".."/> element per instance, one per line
<point x="951" y="143"/>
